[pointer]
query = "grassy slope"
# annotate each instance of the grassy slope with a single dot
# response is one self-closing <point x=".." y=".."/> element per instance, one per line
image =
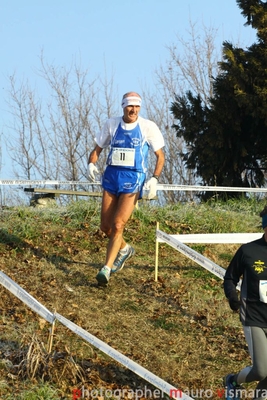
<point x="180" y="328"/>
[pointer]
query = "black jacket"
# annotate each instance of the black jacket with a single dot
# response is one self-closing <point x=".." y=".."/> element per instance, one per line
<point x="250" y="261"/>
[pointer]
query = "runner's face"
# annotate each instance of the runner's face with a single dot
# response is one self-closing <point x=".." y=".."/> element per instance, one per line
<point x="130" y="114"/>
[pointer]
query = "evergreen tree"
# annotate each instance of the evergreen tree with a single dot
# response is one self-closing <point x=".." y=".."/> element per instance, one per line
<point x="227" y="137"/>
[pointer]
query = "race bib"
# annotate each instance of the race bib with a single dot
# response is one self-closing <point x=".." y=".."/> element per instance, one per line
<point x="263" y="291"/>
<point x="122" y="156"/>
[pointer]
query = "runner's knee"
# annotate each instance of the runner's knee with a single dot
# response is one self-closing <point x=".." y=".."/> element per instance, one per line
<point x="118" y="226"/>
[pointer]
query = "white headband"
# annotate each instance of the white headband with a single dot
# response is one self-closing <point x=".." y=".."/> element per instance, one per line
<point x="131" y="101"/>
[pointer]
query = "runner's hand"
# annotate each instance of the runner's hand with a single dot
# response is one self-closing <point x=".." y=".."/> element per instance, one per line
<point x="151" y="185"/>
<point x="234" y="304"/>
<point x="91" y="170"/>
<point x="234" y="301"/>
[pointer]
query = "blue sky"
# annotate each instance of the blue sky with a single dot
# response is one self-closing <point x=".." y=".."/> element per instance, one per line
<point x="129" y="38"/>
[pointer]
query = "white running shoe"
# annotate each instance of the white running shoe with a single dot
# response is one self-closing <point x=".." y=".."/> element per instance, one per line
<point x="103" y="275"/>
<point x="121" y="258"/>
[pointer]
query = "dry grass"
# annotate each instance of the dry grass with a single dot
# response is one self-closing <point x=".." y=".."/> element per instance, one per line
<point x="180" y="328"/>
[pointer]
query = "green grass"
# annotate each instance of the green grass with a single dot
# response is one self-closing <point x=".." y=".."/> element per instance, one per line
<point x="41" y="392"/>
<point x="179" y="328"/>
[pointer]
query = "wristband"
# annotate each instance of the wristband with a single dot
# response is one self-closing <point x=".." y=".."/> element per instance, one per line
<point x="156" y="176"/>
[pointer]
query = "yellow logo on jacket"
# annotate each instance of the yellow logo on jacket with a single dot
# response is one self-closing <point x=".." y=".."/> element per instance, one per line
<point x="259" y="266"/>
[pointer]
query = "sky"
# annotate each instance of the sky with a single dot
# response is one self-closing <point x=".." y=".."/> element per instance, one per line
<point x="127" y="38"/>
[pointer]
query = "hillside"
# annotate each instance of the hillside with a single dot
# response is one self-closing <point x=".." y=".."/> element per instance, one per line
<point x="180" y="328"/>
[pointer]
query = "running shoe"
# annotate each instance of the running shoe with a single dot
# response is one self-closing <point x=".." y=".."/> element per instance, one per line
<point x="122" y="256"/>
<point x="103" y="276"/>
<point x="232" y="389"/>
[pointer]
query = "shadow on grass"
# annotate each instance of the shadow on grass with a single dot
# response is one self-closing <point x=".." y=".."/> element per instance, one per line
<point x="14" y="242"/>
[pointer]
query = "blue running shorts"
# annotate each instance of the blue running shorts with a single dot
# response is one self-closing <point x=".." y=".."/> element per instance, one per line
<point x="120" y="180"/>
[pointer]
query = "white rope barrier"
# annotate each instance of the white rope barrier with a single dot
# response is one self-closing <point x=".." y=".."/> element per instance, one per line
<point x="148" y="376"/>
<point x="192" y="254"/>
<point x="216" y="238"/>
<point x="199" y="188"/>
<point x="122" y="359"/>
<point x="44" y="182"/>
<point x="163" y="187"/>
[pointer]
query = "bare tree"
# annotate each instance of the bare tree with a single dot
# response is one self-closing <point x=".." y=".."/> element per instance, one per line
<point x="52" y="139"/>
